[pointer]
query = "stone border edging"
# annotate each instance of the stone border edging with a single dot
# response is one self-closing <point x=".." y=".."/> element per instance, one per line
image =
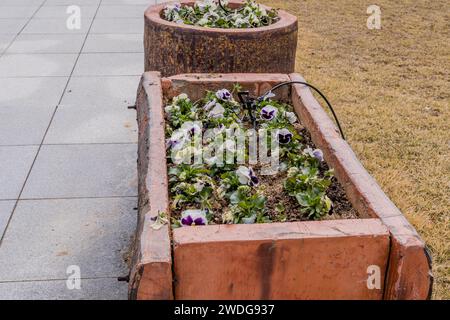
<point x="151" y="273"/>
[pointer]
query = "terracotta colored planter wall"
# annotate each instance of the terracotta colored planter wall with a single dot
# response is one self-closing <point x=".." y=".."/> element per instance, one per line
<point x="303" y="260"/>
<point x="174" y="49"/>
<point x="151" y="273"/>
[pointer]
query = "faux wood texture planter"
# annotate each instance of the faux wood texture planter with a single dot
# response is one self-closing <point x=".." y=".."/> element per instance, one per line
<point x="301" y="260"/>
<point x="173" y="48"/>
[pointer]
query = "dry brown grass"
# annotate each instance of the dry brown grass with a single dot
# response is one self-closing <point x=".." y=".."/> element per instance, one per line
<point x="390" y="88"/>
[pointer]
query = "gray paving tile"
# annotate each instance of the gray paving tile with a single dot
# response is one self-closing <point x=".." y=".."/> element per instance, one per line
<point x="6" y="208"/>
<point x="11" y="26"/>
<point x="15" y="162"/>
<point x="114" y="43"/>
<point x="47" y="43"/>
<point x="128" y="2"/>
<point x="61" y="11"/>
<point x="32" y="3"/>
<point x="31" y="92"/>
<point x="122" y="11"/>
<point x="38" y="65"/>
<point x="107" y="124"/>
<point x="91" y="289"/>
<point x="118" y="25"/>
<point x="109" y="64"/>
<point x="16" y="11"/>
<point x="72" y="2"/>
<point x="93" y="234"/>
<point x="67" y="171"/>
<point x="56" y="25"/>
<point x="5" y="40"/>
<point x="24" y="125"/>
<point x="119" y="91"/>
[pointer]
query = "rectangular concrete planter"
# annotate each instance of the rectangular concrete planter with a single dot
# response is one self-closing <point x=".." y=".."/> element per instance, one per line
<point x="378" y="257"/>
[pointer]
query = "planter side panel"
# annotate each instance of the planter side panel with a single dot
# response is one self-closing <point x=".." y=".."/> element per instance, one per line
<point x="195" y="85"/>
<point x="304" y="260"/>
<point x="151" y="274"/>
<point x="409" y="274"/>
<point x="173" y="49"/>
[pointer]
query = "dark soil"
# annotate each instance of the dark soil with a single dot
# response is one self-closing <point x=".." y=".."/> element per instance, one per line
<point x="272" y="187"/>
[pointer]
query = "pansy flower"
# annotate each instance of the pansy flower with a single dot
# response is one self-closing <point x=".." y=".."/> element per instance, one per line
<point x="191" y="128"/>
<point x="247" y="176"/>
<point x="269" y="112"/>
<point x="249" y="220"/>
<point x="291" y="117"/>
<point x="316" y="153"/>
<point x="193" y="218"/>
<point x="268" y="95"/>
<point x="224" y="95"/>
<point x="217" y="111"/>
<point x="180" y="97"/>
<point x="177" y="140"/>
<point x="284" y="136"/>
<point x="209" y="105"/>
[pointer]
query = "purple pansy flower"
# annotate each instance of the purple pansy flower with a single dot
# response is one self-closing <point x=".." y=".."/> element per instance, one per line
<point x="177" y="140"/>
<point x="224" y="95"/>
<point x="193" y="218"/>
<point x="247" y="176"/>
<point x="191" y="128"/>
<point x="284" y="136"/>
<point x="269" y="112"/>
<point x="316" y="153"/>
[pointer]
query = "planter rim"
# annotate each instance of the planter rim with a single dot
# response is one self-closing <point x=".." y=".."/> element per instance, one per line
<point x="152" y="14"/>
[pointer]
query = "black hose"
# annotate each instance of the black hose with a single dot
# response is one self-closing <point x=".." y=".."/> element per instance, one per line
<point x="314" y="88"/>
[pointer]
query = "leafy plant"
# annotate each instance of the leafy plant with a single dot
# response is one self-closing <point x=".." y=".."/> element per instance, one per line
<point x="208" y="13"/>
<point x="235" y="188"/>
<point x="191" y="184"/>
<point x="247" y="206"/>
<point x="309" y="189"/>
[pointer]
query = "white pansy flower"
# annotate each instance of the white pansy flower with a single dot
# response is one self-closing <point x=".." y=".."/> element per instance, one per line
<point x="249" y="220"/>
<point x="203" y="21"/>
<point x="199" y="186"/>
<point x="171" y="108"/>
<point x="247" y="176"/>
<point x="291" y="116"/>
<point x="181" y="97"/>
<point x="212" y="133"/>
<point x="209" y="105"/>
<point x="217" y="111"/>
<point x="191" y="128"/>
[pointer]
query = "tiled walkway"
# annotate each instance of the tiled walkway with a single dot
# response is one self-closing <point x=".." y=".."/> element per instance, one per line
<point x="67" y="145"/>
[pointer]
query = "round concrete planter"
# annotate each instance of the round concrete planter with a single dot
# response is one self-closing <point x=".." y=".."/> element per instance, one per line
<point x="379" y="256"/>
<point x="172" y="48"/>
